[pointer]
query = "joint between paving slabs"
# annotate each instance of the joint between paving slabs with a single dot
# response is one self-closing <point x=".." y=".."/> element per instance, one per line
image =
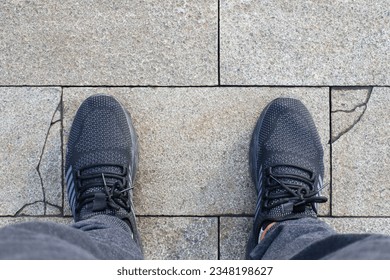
<point x="364" y="105"/>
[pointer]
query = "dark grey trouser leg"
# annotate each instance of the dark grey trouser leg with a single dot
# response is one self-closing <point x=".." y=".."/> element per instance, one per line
<point x="311" y="238"/>
<point x="286" y="239"/>
<point x="100" y="237"/>
<point x="348" y="247"/>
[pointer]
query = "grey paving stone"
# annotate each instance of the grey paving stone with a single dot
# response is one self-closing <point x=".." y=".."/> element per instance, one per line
<point x="348" y="106"/>
<point x="360" y="225"/>
<point x="5" y="221"/>
<point x="361" y="160"/>
<point x="108" y="42"/>
<point x="348" y="98"/>
<point x="194" y="143"/>
<point x="50" y="169"/>
<point x="177" y="238"/>
<point x="305" y="42"/>
<point x="234" y="235"/>
<point x="30" y="151"/>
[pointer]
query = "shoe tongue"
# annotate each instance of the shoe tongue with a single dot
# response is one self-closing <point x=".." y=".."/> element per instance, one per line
<point x="102" y="169"/>
<point x="98" y="181"/>
<point x="285" y="172"/>
<point x="99" y="189"/>
<point x="99" y="170"/>
<point x="291" y="170"/>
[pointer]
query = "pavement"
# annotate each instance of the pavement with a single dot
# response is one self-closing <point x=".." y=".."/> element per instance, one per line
<point x="195" y="76"/>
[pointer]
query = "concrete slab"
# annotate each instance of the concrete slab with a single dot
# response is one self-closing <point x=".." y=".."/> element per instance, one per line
<point x="5" y="221"/>
<point x="234" y="235"/>
<point x="361" y="158"/>
<point x="30" y="151"/>
<point x="179" y="237"/>
<point x="108" y="42"/>
<point x="348" y="105"/>
<point x="360" y="225"/>
<point x="305" y="42"/>
<point x="194" y="143"/>
<point x="348" y="99"/>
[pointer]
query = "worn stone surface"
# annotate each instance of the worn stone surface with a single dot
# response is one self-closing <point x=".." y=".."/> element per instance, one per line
<point x="5" y="221"/>
<point x="108" y="42"/>
<point x="348" y="106"/>
<point x="305" y="42"/>
<point x="360" y="225"/>
<point x="361" y="161"/>
<point x="347" y="99"/>
<point x="179" y="237"/>
<point x="234" y="235"/>
<point x="194" y="143"/>
<point x="30" y="151"/>
<point x="50" y="169"/>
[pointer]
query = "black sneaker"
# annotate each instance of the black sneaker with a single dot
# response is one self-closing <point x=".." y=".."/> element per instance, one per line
<point x="101" y="161"/>
<point x="286" y="164"/>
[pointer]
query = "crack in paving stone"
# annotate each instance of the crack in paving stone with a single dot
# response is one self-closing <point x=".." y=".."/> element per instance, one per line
<point x="351" y="110"/>
<point x="364" y="105"/>
<point x="45" y="203"/>
<point x="52" y="122"/>
<point x="369" y="89"/>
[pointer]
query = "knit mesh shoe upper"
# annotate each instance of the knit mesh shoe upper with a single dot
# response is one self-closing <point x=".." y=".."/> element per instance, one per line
<point x="101" y="161"/>
<point x="286" y="164"/>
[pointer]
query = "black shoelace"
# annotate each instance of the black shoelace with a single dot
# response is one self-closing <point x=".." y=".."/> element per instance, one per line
<point x="299" y="191"/>
<point x="110" y="190"/>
